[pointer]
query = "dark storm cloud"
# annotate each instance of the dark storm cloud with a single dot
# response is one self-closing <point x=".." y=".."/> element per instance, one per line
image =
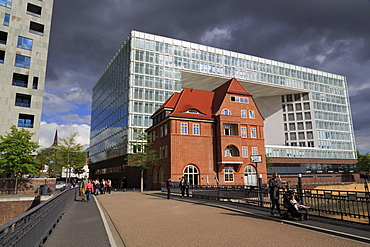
<point x="330" y="35"/>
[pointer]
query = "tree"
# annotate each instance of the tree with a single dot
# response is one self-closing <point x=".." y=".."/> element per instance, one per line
<point x="16" y="149"/>
<point x="71" y="156"/>
<point x="363" y="163"/>
<point x="142" y="155"/>
<point x="269" y="166"/>
<point x="51" y="157"/>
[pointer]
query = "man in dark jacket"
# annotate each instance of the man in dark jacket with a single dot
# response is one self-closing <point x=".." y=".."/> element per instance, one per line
<point x="183" y="185"/>
<point x="274" y="189"/>
<point x="168" y="185"/>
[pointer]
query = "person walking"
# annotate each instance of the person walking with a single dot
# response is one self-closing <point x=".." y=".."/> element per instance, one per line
<point x="102" y="183"/>
<point x="168" y="185"/>
<point x="96" y="186"/>
<point x="89" y="188"/>
<point x="106" y="187"/>
<point x="109" y="182"/>
<point x="274" y="190"/>
<point x="183" y="185"/>
<point x="82" y="188"/>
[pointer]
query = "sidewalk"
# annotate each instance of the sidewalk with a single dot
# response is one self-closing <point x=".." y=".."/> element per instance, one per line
<point x="151" y="220"/>
<point x="81" y="225"/>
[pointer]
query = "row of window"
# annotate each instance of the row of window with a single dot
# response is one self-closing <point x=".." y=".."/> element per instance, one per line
<point x="191" y="174"/>
<point x="243" y="113"/>
<point x="232" y="129"/>
<point x="228" y="129"/>
<point x="295" y="97"/>
<point x="24" y="43"/>
<point x="184" y="128"/>
<point x="30" y="7"/>
<point x="233" y="151"/>
<point x="297" y="116"/>
<point x="298" y="107"/>
<point x="21" y="80"/>
<point x="298" y="126"/>
<point x="211" y="57"/>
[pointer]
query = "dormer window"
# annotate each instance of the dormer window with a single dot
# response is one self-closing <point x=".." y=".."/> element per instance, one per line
<point x="192" y="111"/>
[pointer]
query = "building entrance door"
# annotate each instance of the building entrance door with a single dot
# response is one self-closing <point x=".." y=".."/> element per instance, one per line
<point x="250" y="176"/>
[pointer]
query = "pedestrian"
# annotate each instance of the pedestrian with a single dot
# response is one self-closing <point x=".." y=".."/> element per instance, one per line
<point x="96" y="186"/>
<point x="109" y="182"/>
<point x="106" y="185"/>
<point x="89" y="188"/>
<point x="183" y="185"/>
<point x="74" y="183"/>
<point x="82" y="188"/>
<point x="274" y="190"/>
<point x="168" y="185"/>
<point x="102" y="182"/>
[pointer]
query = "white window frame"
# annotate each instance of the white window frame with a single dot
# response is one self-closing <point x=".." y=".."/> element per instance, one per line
<point x="251" y="114"/>
<point x="228" y="174"/>
<point x="245" y="152"/>
<point x="165" y="129"/>
<point x="243" y="113"/>
<point x="243" y="132"/>
<point x="184" y="128"/>
<point x="196" y="129"/>
<point x="253" y="132"/>
<point x="254" y="150"/>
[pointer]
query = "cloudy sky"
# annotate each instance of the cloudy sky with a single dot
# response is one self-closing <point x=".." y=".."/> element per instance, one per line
<point x="329" y="35"/>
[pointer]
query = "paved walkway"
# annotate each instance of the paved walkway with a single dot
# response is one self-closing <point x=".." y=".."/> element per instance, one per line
<point x="148" y="219"/>
<point x="81" y="225"/>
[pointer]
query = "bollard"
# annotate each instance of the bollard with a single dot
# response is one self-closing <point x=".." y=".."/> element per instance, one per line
<point x="300" y="188"/>
<point x="260" y="196"/>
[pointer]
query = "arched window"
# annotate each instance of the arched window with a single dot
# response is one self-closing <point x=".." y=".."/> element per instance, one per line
<point x="231" y="151"/>
<point x="161" y="174"/>
<point x="250" y="176"/>
<point x="155" y="175"/>
<point x="226" y="112"/>
<point x="191" y="174"/>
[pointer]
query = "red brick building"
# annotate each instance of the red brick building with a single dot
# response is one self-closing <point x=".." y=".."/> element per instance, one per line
<point x="208" y="137"/>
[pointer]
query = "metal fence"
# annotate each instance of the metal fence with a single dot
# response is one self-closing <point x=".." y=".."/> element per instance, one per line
<point x="34" y="226"/>
<point x="339" y="204"/>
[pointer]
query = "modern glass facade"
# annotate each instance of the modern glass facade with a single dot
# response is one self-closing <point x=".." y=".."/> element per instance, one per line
<point x="307" y="109"/>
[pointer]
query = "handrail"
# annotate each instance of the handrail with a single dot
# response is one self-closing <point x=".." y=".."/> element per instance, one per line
<point x="352" y="204"/>
<point x="34" y="226"/>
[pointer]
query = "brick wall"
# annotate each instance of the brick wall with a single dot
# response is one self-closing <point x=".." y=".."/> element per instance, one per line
<point x="26" y="185"/>
<point x="14" y="207"/>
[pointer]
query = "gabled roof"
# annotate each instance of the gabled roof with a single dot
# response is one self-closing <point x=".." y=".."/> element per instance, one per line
<point x="232" y="86"/>
<point x="203" y="104"/>
<point x="194" y="99"/>
<point x="170" y="103"/>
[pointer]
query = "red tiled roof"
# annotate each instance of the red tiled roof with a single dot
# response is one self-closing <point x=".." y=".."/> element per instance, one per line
<point x="205" y="102"/>
<point x="170" y="102"/>
<point x="194" y="99"/>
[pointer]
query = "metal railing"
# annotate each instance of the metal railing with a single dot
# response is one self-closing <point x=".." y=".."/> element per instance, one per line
<point x="34" y="226"/>
<point x="339" y="204"/>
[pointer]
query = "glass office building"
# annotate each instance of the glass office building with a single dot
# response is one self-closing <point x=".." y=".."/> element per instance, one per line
<point x="307" y="112"/>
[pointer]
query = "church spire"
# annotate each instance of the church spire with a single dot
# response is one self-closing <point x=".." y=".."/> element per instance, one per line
<point x="55" y="143"/>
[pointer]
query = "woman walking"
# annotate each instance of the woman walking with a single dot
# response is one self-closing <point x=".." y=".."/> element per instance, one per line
<point x="89" y="188"/>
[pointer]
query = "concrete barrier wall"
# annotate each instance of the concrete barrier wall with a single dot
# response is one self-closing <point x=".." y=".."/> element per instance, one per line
<point x="26" y="185"/>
